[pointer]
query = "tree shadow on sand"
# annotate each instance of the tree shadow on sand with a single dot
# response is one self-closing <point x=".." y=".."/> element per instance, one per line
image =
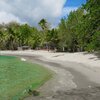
<point x="96" y="55"/>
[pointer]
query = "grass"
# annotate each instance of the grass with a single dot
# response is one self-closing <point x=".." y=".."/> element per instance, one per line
<point x="17" y="77"/>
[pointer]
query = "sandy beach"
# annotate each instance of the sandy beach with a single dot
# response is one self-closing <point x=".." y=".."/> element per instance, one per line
<point x="80" y="57"/>
<point x="79" y="71"/>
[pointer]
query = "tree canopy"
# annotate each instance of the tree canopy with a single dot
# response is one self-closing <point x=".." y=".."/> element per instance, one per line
<point x="80" y="31"/>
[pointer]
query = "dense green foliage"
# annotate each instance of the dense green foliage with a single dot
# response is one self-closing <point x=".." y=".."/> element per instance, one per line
<point x="17" y="77"/>
<point x="80" y="31"/>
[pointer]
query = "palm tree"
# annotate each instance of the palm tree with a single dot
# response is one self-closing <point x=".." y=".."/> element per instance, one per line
<point x="12" y="29"/>
<point x="43" y="24"/>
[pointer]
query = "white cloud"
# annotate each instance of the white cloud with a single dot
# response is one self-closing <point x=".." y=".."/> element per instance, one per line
<point x="7" y="17"/>
<point x="31" y="11"/>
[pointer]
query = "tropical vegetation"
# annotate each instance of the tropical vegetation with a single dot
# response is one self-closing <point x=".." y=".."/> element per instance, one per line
<point x="80" y="31"/>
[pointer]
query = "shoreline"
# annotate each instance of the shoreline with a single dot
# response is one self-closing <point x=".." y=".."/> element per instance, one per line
<point x="79" y="78"/>
<point x="78" y="57"/>
<point x="83" y="81"/>
<point x="73" y="76"/>
<point x="67" y="60"/>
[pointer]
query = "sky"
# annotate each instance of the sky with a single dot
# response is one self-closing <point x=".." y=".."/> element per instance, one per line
<point x="32" y="11"/>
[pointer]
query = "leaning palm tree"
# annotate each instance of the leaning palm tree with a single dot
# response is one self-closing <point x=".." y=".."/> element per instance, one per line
<point x="43" y="24"/>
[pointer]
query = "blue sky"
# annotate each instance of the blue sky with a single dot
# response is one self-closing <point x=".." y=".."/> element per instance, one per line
<point x="32" y="11"/>
<point x="71" y="5"/>
<point x="74" y="3"/>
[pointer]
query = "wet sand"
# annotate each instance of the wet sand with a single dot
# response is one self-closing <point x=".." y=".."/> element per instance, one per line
<point x="85" y="88"/>
<point x="80" y="79"/>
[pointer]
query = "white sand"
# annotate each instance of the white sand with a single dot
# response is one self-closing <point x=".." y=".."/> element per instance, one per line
<point x="80" y="57"/>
